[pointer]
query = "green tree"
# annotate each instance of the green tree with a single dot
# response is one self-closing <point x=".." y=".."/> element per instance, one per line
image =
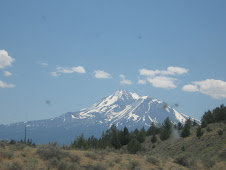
<point x="134" y="146"/>
<point x="79" y="142"/>
<point x="166" y="129"/>
<point x="151" y="130"/>
<point x="141" y="136"/>
<point x="199" y="132"/>
<point x="115" y="137"/>
<point x="207" y="118"/>
<point x="153" y="139"/>
<point x="115" y="141"/>
<point x="124" y="136"/>
<point x="186" y="129"/>
<point x="179" y="126"/>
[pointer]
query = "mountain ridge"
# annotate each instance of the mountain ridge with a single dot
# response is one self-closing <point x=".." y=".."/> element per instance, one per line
<point x="122" y="108"/>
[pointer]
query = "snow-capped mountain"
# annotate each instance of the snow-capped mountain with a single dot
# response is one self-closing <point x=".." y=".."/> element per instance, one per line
<point x="121" y="108"/>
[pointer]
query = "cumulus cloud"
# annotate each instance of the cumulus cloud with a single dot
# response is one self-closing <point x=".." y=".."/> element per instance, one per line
<point x="141" y="82"/>
<point x="6" y="85"/>
<point x="5" y="59"/>
<point x="100" y="74"/>
<point x="162" y="82"/>
<point x="170" y="71"/>
<point x="7" y="73"/>
<point x="175" y="71"/>
<point x="146" y="72"/>
<point x="190" y="88"/>
<point x="211" y="87"/>
<point x="63" y="70"/>
<point x="124" y="80"/>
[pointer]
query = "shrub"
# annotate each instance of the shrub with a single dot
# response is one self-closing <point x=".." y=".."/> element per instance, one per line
<point x="75" y="158"/>
<point x="53" y="162"/>
<point x="90" y="155"/>
<point x="3" y="144"/>
<point x="17" y="146"/>
<point x="134" y="164"/>
<point x="32" y="163"/>
<point x="209" y="129"/>
<point x="50" y="151"/>
<point x="118" y="159"/>
<point x="208" y="162"/>
<point x="153" y="160"/>
<point x="220" y="132"/>
<point x="62" y="165"/>
<point x="223" y="154"/>
<point x="98" y="166"/>
<point x="134" y="146"/>
<point x="15" y="166"/>
<point x="111" y="163"/>
<point x="73" y="166"/>
<point x="24" y="154"/>
<point x="185" y="160"/>
<point x="6" y="154"/>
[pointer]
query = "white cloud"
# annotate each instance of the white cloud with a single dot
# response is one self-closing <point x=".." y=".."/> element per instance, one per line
<point x="5" y="59"/>
<point x="64" y="70"/>
<point x="55" y="74"/>
<point x="170" y="71"/>
<point x="162" y="82"/>
<point x="44" y="64"/>
<point x="141" y="82"/>
<point x="6" y="85"/>
<point x="175" y="70"/>
<point x="211" y="87"/>
<point x="100" y="74"/>
<point x="78" y="69"/>
<point x="7" y="73"/>
<point x="124" y="81"/>
<point x="146" y="72"/>
<point x="190" y="88"/>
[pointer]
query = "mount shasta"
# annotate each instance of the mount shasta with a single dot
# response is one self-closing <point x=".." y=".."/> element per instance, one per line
<point x="121" y="108"/>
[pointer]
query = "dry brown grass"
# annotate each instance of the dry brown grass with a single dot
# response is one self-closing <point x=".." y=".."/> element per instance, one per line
<point x="208" y="152"/>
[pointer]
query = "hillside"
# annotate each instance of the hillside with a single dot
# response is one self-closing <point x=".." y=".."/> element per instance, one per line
<point x="208" y="152"/>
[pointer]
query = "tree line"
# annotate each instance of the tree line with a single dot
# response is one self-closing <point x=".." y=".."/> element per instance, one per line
<point x="115" y="138"/>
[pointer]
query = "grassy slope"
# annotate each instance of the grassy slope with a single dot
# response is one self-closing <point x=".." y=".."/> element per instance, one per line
<point x="208" y="152"/>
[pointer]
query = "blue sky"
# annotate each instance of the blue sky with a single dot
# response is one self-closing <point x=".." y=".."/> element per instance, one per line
<point x="61" y="56"/>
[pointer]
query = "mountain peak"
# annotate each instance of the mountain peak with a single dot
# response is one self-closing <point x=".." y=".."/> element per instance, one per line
<point x="124" y="93"/>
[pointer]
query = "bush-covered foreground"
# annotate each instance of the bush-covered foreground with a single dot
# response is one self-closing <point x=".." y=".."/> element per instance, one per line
<point x="205" y="152"/>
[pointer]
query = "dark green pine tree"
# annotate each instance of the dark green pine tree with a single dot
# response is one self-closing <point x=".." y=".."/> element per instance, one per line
<point x="153" y="139"/>
<point x="115" y="141"/>
<point x="186" y="129"/>
<point x="79" y="142"/>
<point x="141" y="136"/>
<point x="124" y="136"/>
<point x="179" y="126"/>
<point x="115" y="137"/>
<point x="151" y="130"/>
<point x="199" y="132"/>
<point x="166" y="129"/>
